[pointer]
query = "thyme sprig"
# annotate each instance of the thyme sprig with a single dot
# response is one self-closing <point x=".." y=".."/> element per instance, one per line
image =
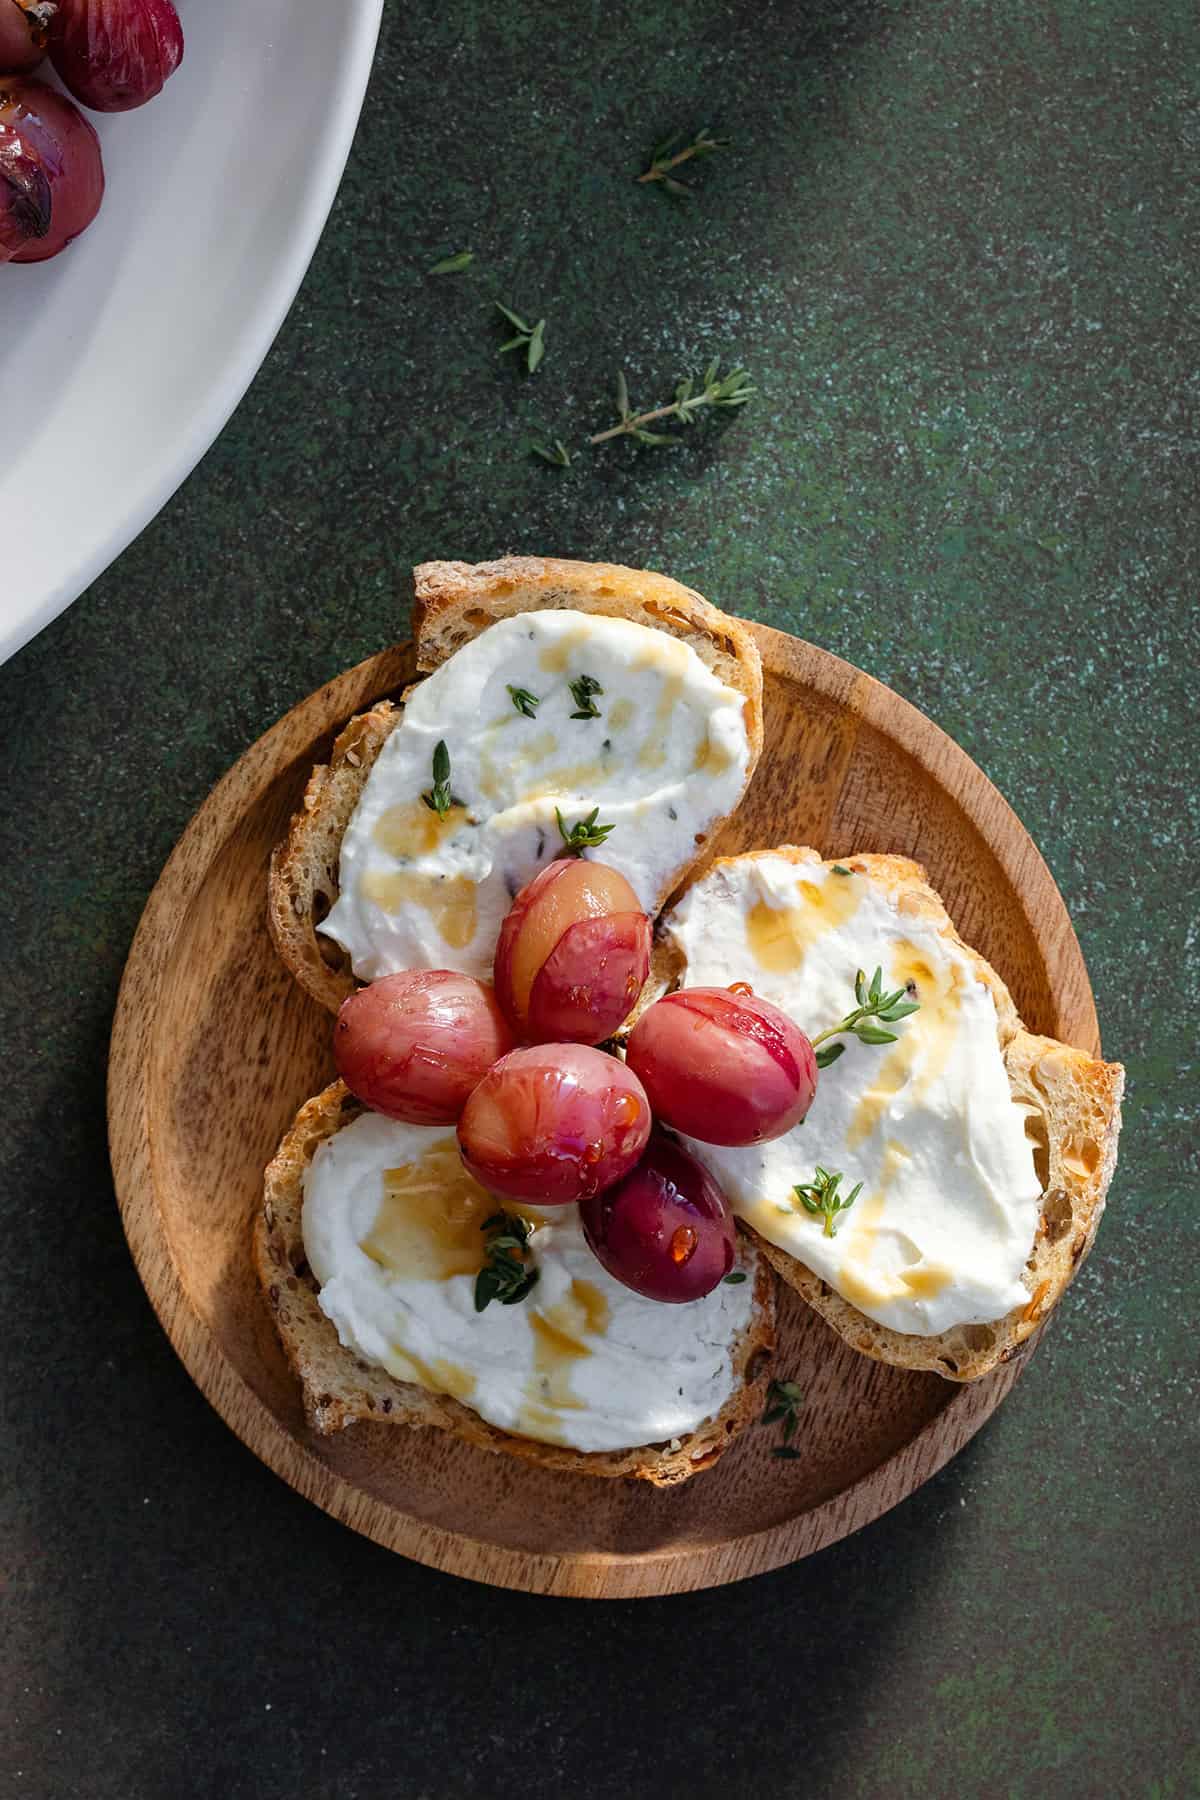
<point x="505" y="1276"/>
<point x="585" y="834"/>
<point x="439" y="798"/>
<point x="821" y="1196"/>
<point x="784" y="1400"/>
<point x="530" y="338"/>
<point x="664" y="157"/>
<point x="583" y="689"/>
<point x="691" y="397"/>
<point x="873" y="1004"/>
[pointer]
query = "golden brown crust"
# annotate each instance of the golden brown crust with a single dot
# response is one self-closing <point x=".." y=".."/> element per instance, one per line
<point x="340" y="1389"/>
<point x="457" y="600"/>
<point x="303" y="881"/>
<point x="1073" y="1110"/>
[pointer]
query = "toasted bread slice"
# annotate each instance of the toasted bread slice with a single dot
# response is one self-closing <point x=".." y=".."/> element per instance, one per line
<point x="1073" y="1115"/>
<point x="339" y="1388"/>
<point x="455" y="602"/>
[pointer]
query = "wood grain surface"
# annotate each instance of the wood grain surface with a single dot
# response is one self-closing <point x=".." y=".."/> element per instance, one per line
<point x="214" y="1048"/>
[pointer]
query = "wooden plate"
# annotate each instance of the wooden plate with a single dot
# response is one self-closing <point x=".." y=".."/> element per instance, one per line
<point x="214" y="1048"/>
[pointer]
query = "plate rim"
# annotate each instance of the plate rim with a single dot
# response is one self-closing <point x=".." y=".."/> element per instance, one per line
<point x="604" y="1575"/>
<point x="197" y="437"/>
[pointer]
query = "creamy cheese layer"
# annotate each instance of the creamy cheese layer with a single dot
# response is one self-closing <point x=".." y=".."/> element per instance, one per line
<point x="949" y="1206"/>
<point x="392" y="1231"/>
<point x="664" y="759"/>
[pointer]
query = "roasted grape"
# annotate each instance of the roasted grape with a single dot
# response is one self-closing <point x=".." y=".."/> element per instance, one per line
<point x="573" y="954"/>
<point x="51" y="173"/>
<point x="115" y="54"/>
<point x="665" y="1230"/>
<point x="414" y="1045"/>
<point x="723" y="1065"/>
<point x="553" y="1123"/>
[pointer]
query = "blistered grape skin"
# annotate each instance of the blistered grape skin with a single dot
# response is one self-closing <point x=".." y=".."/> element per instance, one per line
<point x="722" y="1066"/>
<point x="587" y="987"/>
<point x="666" y="1229"/>
<point x="573" y="954"/>
<point x="414" y="1045"/>
<point x="51" y="171"/>
<point x="553" y="1123"/>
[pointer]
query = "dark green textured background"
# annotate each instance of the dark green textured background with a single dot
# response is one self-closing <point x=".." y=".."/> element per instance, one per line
<point x="956" y="245"/>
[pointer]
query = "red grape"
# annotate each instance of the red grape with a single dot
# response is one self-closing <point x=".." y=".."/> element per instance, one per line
<point x="553" y="1123"/>
<point x="22" y="35"/>
<point x="723" y="1065"/>
<point x="573" y="953"/>
<point x="115" y="54"/>
<point x="414" y="1045"/>
<point x="51" y="174"/>
<point x="665" y="1230"/>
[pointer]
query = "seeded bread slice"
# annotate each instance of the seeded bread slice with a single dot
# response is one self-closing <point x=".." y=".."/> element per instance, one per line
<point x="454" y="602"/>
<point x="339" y="1388"/>
<point x="1072" y="1103"/>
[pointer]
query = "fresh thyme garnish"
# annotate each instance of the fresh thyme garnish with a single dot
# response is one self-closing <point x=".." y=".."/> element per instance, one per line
<point x="714" y="389"/>
<point x="838" y="870"/>
<point x="505" y="1276"/>
<point x="530" y="338"/>
<point x="439" y="798"/>
<point x="873" y="1003"/>
<point x="784" y="1400"/>
<point x="523" y="700"/>
<point x="734" y="1276"/>
<point x="821" y="1196"/>
<point x="585" y="835"/>
<point x="662" y="161"/>
<point x="454" y="265"/>
<point x="557" y="454"/>
<point x="582" y="689"/>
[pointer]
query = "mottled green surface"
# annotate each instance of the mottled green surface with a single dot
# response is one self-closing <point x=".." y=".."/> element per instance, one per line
<point x="956" y="245"/>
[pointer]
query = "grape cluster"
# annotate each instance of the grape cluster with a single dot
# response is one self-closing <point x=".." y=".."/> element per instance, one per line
<point x="545" y="1116"/>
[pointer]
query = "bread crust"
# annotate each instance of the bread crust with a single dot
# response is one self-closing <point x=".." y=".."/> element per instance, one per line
<point x="454" y="602"/>
<point x="1073" y="1114"/>
<point x="339" y="1388"/>
<point x="303" y="881"/>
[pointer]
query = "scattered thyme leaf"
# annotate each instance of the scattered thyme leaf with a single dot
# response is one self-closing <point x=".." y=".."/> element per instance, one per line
<point x="734" y="1276"/>
<point x="529" y="338"/>
<point x="821" y="1197"/>
<point x="838" y="870"/>
<point x="523" y="700"/>
<point x="784" y="1400"/>
<point x="454" y="265"/>
<point x="583" y="688"/>
<point x="556" y="453"/>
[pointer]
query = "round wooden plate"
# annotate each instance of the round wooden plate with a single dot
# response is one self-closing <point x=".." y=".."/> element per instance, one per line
<point x="214" y="1048"/>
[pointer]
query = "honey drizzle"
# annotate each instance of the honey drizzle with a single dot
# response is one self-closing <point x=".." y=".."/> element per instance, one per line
<point x="450" y="900"/>
<point x="558" y="1346"/>
<point x="780" y="937"/>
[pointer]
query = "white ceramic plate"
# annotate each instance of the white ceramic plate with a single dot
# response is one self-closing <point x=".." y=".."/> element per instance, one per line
<point x="123" y="357"/>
